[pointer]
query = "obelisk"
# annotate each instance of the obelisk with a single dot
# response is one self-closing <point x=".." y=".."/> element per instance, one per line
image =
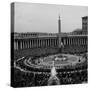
<point x="59" y="34"/>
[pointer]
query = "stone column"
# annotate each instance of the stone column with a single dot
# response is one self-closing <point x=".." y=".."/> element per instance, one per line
<point x="54" y="42"/>
<point x="64" y="41"/>
<point x="23" y="45"/>
<point x="51" y="42"/>
<point x="41" y="42"/>
<point x="28" y="43"/>
<point x="84" y="41"/>
<point x="20" y="44"/>
<point x="17" y="44"/>
<point x="38" y="43"/>
<point x="45" y="42"/>
<point x="75" y="41"/>
<point x="31" y="43"/>
<point x="67" y="41"/>
<point x="48" y="42"/>
<point x="35" y="43"/>
<point x="71" y="41"/>
<point x="80" y="41"/>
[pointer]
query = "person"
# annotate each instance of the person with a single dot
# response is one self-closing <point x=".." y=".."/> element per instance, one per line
<point x="79" y="59"/>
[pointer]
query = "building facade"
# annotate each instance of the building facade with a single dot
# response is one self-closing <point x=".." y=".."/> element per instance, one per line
<point x="85" y="23"/>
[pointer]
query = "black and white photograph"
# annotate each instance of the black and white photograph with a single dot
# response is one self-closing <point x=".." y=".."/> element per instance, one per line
<point x="49" y="44"/>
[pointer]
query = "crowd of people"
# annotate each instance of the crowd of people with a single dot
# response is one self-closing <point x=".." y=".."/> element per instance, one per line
<point x="73" y="77"/>
<point x="74" y="49"/>
<point x="39" y="77"/>
<point x="33" y="63"/>
<point x="34" y="52"/>
<point x="25" y="79"/>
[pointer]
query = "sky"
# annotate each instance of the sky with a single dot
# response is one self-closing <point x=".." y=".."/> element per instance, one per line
<point x="30" y="17"/>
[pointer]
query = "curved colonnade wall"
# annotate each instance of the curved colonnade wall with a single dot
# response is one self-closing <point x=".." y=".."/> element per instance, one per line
<point x="21" y="43"/>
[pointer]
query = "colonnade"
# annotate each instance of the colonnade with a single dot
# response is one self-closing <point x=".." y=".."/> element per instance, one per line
<point x="20" y="44"/>
<point x="75" y="41"/>
<point x="35" y="43"/>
